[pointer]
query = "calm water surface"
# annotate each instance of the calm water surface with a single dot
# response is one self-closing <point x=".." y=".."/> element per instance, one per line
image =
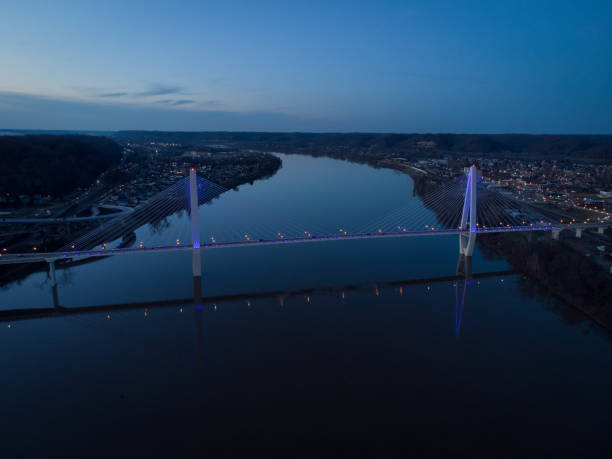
<point x="386" y="368"/>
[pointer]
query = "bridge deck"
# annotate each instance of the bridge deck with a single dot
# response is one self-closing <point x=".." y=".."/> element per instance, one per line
<point x="34" y="257"/>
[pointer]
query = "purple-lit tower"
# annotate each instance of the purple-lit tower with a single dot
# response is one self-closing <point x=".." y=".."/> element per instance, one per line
<point x="467" y="241"/>
<point x="195" y="223"/>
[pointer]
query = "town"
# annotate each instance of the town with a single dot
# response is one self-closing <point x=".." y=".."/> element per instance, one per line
<point x="145" y="169"/>
<point x="582" y="190"/>
<point x="562" y="183"/>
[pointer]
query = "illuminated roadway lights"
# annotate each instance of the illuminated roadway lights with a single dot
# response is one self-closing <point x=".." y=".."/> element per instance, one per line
<point x="38" y="256"/>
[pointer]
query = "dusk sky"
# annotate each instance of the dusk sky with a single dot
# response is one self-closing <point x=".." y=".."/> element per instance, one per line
<point x="406" y="66"/>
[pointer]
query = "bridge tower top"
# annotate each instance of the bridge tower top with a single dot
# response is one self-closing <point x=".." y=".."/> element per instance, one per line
<point x="195" y="225"/>
<point x="469" y="202"/>
<point x="466" y="247"/>
<point x="193" y="208"/>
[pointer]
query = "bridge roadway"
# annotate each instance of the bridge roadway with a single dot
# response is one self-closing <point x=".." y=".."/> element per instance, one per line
<point x="35" y="257"/>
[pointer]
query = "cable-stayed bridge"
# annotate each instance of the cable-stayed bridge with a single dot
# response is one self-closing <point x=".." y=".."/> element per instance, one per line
<point x="466" y="207"/>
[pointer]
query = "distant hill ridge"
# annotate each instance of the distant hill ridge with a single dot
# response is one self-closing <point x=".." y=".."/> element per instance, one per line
<point x="580" y="147"/>
<point x="53" y="164"/>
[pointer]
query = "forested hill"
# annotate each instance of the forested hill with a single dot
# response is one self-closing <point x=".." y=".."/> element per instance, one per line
<point x="579" y="147"/>
<point x="53" y="164"/>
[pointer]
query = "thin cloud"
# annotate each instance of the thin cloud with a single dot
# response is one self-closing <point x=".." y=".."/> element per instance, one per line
<point x="32" y="111"/>
<point x="151" y="90"/>
<point x="160" y="90"/>
<point x="175" y="102"/>
<point x="183" y="102"/>
<point x="113" y="94"/>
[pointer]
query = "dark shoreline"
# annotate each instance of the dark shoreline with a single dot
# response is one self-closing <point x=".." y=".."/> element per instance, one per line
<point x="16" y="273"/>
<point x="557" y="267"/>
<point x="561" y="270"/>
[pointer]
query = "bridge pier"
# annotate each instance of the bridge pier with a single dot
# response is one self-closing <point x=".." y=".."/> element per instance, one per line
<point x="466" y="244"/>
<point x="555" y="234"/>
<point x="52" y="272"/>
<point x="196" y="263"/>
<point x="464" y="267"/>
<point x="578" y="233"/>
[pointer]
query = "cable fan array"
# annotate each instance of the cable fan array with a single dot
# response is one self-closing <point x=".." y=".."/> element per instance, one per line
<point x="164" y="219"/>
<point x="153" y="214"/>
<point x="493" y="209"/>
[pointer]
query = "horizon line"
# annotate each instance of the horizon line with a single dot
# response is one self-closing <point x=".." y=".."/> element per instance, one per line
<point x="304" y="132"/>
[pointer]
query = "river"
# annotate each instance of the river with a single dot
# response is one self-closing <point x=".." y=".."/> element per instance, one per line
<point x="353" y="357"/>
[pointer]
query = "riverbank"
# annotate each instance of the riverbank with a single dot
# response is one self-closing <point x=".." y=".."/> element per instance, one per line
<point x="52" y="237"/>
<point x="557" y="266"/>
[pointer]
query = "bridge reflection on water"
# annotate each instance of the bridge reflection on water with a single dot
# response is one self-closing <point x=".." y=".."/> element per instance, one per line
<point x="461" y="282"/>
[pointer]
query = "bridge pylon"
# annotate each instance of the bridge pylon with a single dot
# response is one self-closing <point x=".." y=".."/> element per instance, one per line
<point x="464" y="267"/>
<point x="467" y="238"/>
<point x="196" y="262"/>
<point x="52" y="278"/>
